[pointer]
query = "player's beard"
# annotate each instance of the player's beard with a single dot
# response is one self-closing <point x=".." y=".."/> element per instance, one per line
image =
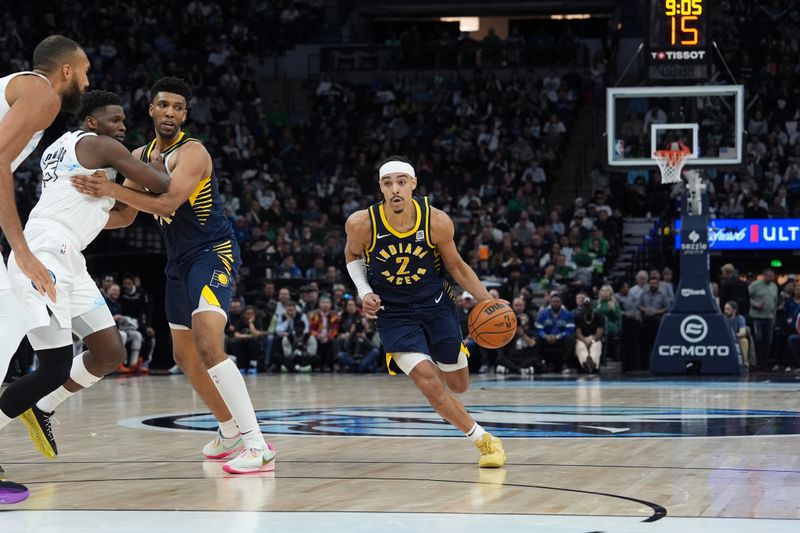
<point x="164" y="136"/>
<point x="71" y="99"/>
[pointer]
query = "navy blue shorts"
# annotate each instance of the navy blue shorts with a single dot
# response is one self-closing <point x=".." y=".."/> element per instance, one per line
<point x="202" y="281"/>
<point x="428" y="328"/>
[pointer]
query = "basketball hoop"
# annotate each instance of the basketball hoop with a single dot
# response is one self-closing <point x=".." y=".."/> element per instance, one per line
<point x="670" y="163"/>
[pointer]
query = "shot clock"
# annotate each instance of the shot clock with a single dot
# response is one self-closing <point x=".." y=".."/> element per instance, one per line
<point x="678" y="43"/>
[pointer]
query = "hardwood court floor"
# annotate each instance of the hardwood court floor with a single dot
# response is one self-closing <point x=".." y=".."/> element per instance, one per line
<point x="356" y="453"/>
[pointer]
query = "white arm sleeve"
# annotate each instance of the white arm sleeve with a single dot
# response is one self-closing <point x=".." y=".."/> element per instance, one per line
<point x="358" y="273"/>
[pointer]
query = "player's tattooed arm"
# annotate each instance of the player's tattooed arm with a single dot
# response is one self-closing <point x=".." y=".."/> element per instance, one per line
<point x="442" y="233"/>
<point x="98" y="151"/>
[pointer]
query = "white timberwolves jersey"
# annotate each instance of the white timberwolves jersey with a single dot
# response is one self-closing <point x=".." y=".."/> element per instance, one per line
<point x="4" y="107"/>
<point x="84" y="216"/>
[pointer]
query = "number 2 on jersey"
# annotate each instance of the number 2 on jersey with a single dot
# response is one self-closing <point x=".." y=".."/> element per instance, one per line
<point x="403" y="262"/>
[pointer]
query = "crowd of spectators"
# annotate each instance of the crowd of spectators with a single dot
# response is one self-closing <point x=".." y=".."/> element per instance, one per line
<point x="486" y="144"/>
<point x="763" y="314"/>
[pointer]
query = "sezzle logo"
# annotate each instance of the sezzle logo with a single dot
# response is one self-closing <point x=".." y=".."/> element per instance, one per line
<point x="694" y="328"/>
<point x="693" y="292"/>
<point x="694" y="243"/>
<point x="680" y="55"/>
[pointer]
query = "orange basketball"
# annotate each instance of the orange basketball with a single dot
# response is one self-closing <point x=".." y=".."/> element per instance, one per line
<point x="492" y="323"/>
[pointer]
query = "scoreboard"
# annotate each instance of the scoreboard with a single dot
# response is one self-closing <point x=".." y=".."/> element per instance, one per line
<point x="678" y="43"/>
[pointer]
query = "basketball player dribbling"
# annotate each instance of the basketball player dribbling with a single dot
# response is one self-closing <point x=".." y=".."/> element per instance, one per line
<point x="29" y="102"/>
<point x="395" y="254"/>
<point x="202" y="260"/>
<point x="61" y="225"/>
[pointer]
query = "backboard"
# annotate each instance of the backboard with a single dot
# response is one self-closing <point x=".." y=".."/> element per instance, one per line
<point x="709" y="119"/>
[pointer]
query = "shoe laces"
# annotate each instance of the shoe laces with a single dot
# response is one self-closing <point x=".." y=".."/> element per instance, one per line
<point x="49" y="422"/>
<point x="251" y="452"/>
<point x="490" y="445"/>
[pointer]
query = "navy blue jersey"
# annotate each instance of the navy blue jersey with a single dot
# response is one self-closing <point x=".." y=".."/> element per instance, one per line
<point x="200" y="222"/>
<point x="404" y="268"/>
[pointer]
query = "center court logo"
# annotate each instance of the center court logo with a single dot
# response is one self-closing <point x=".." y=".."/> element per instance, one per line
<point x="506" y="421"/>
<point x="694" y="328"/>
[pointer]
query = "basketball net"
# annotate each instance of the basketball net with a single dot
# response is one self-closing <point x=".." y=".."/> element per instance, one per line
<point x="670" y="162"/>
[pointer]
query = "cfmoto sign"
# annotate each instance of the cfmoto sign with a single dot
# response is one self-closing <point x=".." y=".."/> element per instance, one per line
<point x="694" y="328"/>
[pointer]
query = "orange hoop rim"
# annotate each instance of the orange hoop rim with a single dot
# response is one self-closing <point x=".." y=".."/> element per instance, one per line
<point x="672" y="157"/>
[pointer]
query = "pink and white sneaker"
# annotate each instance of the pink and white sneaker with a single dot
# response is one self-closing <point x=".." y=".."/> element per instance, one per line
<point x="220" y="447"/>
<point x="252" y="461"/>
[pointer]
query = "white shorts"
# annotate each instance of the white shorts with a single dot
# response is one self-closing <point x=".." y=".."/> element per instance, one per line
<point x="76" y="292"/>
<point x="406" y="361"/>
<point x="5" y="283"/>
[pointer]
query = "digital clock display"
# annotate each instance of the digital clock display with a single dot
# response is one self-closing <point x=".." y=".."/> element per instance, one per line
<point x="678" y="40"/>
<point x="677" y="23"/>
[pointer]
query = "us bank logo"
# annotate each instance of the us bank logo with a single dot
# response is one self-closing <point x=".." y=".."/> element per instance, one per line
<point x="506" y="421"/>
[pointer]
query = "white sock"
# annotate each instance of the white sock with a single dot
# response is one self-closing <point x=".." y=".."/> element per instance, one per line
<point x="4" y="420"/>
<point x="230" y="384"/>
<point x="229" y="429"/>
<point x="475" y="433"/>
<point x="49" y="403"/>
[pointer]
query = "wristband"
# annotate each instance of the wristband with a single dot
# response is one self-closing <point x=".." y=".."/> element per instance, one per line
<point x="358" y="273"/>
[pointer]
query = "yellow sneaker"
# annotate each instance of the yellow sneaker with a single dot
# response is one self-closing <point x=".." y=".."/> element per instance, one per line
<point x="40" y="430"/>
<point x="492" y="453"/>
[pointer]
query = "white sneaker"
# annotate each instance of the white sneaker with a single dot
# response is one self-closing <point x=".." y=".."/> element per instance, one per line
<point x="252" y="461"/>
<point x="500" y="369"/>
<point x="220" y="447"/>
<point x="484" y="369"/>
<point x="527" y="371"/>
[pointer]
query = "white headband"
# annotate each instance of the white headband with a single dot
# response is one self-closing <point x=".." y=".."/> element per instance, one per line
<point x="395" y="167"/>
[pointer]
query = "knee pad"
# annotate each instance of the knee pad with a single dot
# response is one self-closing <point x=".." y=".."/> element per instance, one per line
<point x="55" y="365"/>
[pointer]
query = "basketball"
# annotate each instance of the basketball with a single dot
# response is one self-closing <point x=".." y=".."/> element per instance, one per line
<point x="492" y="323"/>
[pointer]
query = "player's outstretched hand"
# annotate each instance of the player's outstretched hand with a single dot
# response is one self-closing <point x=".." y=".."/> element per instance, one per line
<point x="372" y="304"/>
<point x="96" y="185"/>
<point x="37" y="273"/>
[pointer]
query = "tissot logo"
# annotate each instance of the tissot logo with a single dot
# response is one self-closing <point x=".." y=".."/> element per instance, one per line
<point x="680" y="55"/>
<point x="506" y="421"/>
